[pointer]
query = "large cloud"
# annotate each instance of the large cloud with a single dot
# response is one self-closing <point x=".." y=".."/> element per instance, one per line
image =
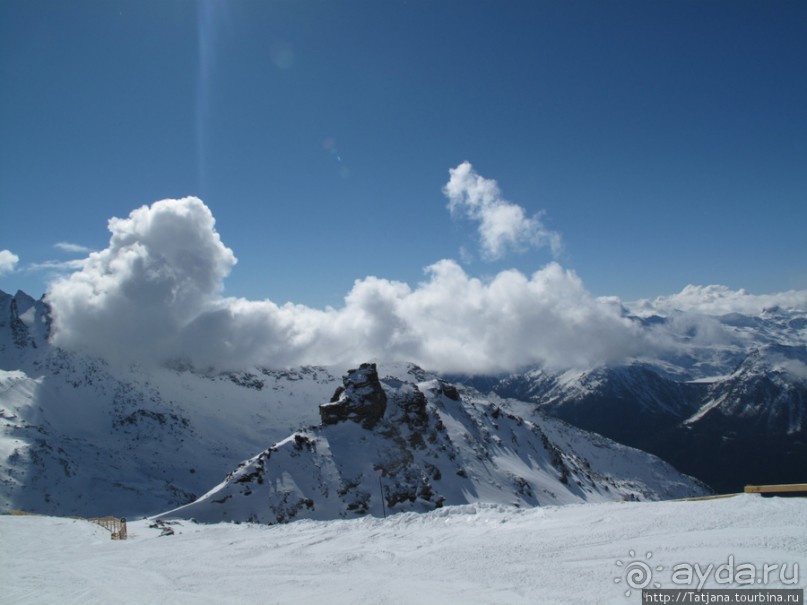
<point x="155" y="293"/>
<point x="163" y="266"/>
<point x="503" y="226"/>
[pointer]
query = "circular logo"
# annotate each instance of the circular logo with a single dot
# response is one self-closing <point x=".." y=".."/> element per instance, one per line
<point x="637" y="574"/>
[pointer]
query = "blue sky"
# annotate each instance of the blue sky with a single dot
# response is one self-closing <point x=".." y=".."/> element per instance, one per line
<point x="666" y="142"/>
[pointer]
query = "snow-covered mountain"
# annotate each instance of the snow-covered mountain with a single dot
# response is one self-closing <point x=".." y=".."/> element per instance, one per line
<point x="723" y="401"/>
<point x="730" y="410"/>
<point x="81" y="436"/>
<point x="25" y="324"/>
<point x="411" y="442"/>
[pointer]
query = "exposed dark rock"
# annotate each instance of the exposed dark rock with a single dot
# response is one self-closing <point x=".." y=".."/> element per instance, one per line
<point x="450" y="391"/>
<point x="246" y="379"/>
<point x="744" y="428"/>
<point x="361" y="399"/>
<point x="27" y="321"/>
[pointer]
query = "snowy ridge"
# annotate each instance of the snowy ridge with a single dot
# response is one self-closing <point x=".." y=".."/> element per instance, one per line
<point x="82" y="438"/>
<point x="730" y="407"/>
<point x="775" y="375"/>
<point x="429" y="445"/>
<point x="81" y="435"/>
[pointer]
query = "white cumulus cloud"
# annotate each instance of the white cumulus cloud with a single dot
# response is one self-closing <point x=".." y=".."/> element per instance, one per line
<point x="155" y="293"/>
<point x="503" y="226"/>
<point x="8" y="261"/>
<point x="164" y="264"/>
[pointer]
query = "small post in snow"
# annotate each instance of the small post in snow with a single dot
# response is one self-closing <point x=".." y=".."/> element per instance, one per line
<point x="381" y="491"/>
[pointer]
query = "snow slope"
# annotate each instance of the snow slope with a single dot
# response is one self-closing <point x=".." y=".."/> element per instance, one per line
<point x="744" y="424"/>
<point x="81" y="436"/>
<point x="467" y="554"/>
<point x="423" y="444"/>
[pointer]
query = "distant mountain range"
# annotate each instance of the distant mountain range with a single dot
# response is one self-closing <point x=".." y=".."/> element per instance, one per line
<point x="730" y="414"/>
<point x="81" y="436"/>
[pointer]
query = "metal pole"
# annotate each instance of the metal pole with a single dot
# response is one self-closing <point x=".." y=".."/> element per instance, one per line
<point x="381" y="491"/>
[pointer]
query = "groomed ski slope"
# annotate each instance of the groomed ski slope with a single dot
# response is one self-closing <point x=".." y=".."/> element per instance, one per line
<point x="465" y="554"/>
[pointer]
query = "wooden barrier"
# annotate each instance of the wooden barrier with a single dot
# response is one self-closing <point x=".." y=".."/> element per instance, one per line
<point x="776" y="489"/>
<point x="116" y="526"/>
<point x="699" y="498"/>
<point x="791" y="488"/>
<point x="113" y="524"/>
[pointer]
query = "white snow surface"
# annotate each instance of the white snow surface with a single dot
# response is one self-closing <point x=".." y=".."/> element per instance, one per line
<point x="464" y="554"/>
<point x="78" y="437"/>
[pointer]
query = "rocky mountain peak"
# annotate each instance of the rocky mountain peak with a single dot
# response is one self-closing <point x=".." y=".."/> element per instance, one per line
<point x="395" y="444"/>
<point x="26" y="321"/>
<point x="360" y="398"/>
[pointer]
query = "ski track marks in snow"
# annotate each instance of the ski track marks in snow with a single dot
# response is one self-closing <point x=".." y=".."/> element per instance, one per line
<point x="463" y="554"/>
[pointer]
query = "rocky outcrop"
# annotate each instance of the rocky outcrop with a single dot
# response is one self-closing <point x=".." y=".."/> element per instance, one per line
<point x="360" y="399"/>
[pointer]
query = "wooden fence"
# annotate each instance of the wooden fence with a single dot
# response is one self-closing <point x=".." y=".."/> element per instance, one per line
<point x="789" y="488"/>
<point x="116" y="526"/>
<point x="113" y="524"/>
